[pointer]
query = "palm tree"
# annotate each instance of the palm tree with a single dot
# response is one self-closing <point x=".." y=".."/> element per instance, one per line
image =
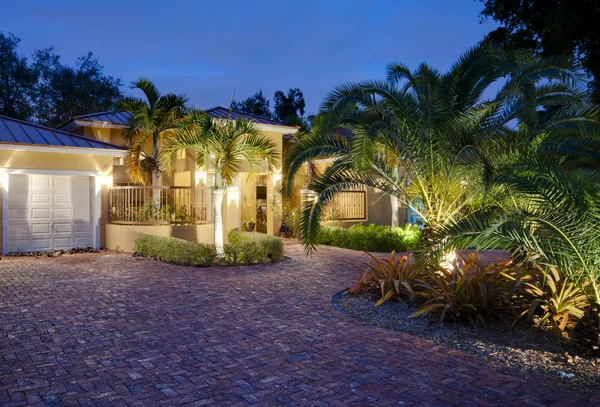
<point x="430" y="138"/>
<point x="152" y="118"/>
<point x="231" y="146"/>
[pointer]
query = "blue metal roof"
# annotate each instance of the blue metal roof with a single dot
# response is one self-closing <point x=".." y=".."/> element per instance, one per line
<point x="13" y="131"/>
<point x="219" y="112"/>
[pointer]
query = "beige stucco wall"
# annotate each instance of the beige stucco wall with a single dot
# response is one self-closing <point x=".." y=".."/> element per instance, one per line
<point x="122" y="237"/>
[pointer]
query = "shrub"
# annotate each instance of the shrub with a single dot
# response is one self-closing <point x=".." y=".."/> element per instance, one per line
<point x="559" y="299"/>
<point x="392" y="278"/>
<point x="371" y="237"/>
<point x="251" y="248"/>
<point x="175" y="251"/>
<point x="472" y="292"/>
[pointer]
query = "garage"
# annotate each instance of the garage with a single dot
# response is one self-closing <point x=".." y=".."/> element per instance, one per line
<point x="49" y="212"/>
<point x="51" y="187"/>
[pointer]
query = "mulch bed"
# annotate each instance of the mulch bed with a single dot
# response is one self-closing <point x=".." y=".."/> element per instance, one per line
<point x="523" y="347"/>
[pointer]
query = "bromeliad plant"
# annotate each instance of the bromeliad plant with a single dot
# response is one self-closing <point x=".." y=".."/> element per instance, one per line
<point x="559" y="299"/>
<point x="472" y="291"/>
<point x="392" y="278"/>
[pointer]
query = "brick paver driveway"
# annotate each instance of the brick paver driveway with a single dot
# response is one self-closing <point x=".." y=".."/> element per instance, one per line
<point x="109" y="329"/>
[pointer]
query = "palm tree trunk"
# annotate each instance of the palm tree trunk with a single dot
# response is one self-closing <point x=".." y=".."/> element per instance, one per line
<point x="156" y="182"/>
<point x="218" y="220"/>
<point x="395" y="221"/>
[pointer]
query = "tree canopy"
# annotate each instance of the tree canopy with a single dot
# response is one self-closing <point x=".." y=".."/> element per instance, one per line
<point x="49" y="92"/>
<point x="288" y="108"/>
<point x="550" y="27"/>
<point x="256" y="104"/>
<point x="17" y="80"/>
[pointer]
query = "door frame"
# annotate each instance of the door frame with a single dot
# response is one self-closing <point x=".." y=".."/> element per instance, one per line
<point x="96" y="191"/>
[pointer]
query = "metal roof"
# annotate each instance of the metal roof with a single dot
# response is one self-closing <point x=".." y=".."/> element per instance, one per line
<point x="122" y="117"/>
<point x="13" y="131"/>
<point x="219" y="112"/>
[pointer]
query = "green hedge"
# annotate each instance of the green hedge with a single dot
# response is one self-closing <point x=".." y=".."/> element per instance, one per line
<point x="244" y="248"/>
<point x="371" y="238"/>
<point x="175" y="251"/>
<point x="251" y="248"/>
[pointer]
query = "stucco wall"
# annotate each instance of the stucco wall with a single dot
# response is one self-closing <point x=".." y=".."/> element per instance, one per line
<point x="122" y="237"/>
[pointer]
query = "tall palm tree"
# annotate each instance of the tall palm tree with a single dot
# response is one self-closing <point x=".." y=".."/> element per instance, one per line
<point x="230" y="146"/>
<point x="429" y="138"/>
<point x="153" y="116"/>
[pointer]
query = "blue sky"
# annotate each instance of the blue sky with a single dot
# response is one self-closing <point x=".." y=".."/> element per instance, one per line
<point x="208" y="49"/>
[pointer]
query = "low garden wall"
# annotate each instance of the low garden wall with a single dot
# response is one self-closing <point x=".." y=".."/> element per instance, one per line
<point x="122" y="237"/>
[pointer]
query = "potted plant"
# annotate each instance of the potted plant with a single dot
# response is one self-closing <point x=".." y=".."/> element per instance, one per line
<point x="249" y="225"/>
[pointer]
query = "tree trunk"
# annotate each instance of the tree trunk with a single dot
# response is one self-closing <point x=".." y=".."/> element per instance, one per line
<point x="395" y="221"/>
<point x="156" y="182"/>
<point x="218" y="220"/>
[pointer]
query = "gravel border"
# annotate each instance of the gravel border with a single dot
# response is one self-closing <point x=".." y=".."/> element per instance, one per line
<point x="523" y="347"/>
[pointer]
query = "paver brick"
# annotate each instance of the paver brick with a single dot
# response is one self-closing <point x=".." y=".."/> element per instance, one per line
<point x="112" y="330"/>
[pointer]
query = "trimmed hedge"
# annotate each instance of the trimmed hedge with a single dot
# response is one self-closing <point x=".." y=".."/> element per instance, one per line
<point x="250" y="248"/>
<point x="371" y="238"/>
<point x="244" y="248"/>
<point x="175" y="251"/>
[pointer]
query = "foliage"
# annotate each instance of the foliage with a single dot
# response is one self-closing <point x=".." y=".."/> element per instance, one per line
<point x="49" y="92"/>
<point x="559" y="299"/>
<point x="372" y="237"/>
<point x="148" y="213"/>
<point x="230" y="146"/>
<point x="549" y="27"/>
<point x="175" y="251"/>
<point x="289" y="107"/>
<point x="64" y="91"/>
<point x="289" y="220"/>
<point x="153" y="117"/>
<point x="392" y="278"/>
<point x="250" y="248"/>
<point x="430" y="138"/>
<point x="261" y="220"/>
<point x="17" y="80"/>
<point x="586" y="333"/>
<point x="256" y="104"/>
<point x="244" y="248"/>
<point x="472" y="292"/>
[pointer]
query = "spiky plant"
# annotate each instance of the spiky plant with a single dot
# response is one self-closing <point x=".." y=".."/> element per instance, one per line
<point x="230" y="146"/>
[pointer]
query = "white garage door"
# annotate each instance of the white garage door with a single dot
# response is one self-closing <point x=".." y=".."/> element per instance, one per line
<point x="48" y="212"/>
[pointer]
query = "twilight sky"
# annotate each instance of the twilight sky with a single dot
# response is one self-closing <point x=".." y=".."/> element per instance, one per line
<point x="208" y="49"/>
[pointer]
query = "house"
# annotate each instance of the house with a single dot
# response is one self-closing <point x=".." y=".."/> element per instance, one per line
<point x="185" y="195"/>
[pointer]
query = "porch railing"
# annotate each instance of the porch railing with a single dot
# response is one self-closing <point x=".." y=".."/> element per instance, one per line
<point x="150" y="205"/>
<point x="347" y="206"/>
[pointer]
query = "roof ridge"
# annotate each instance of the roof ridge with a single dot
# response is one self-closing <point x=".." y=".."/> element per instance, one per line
<point x="66" y="133"/>
<point x="94" y="114"/>
<point x="250" y="114"/>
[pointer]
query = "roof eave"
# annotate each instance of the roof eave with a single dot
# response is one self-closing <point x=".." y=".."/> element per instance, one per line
<point x="63" y="149"/>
